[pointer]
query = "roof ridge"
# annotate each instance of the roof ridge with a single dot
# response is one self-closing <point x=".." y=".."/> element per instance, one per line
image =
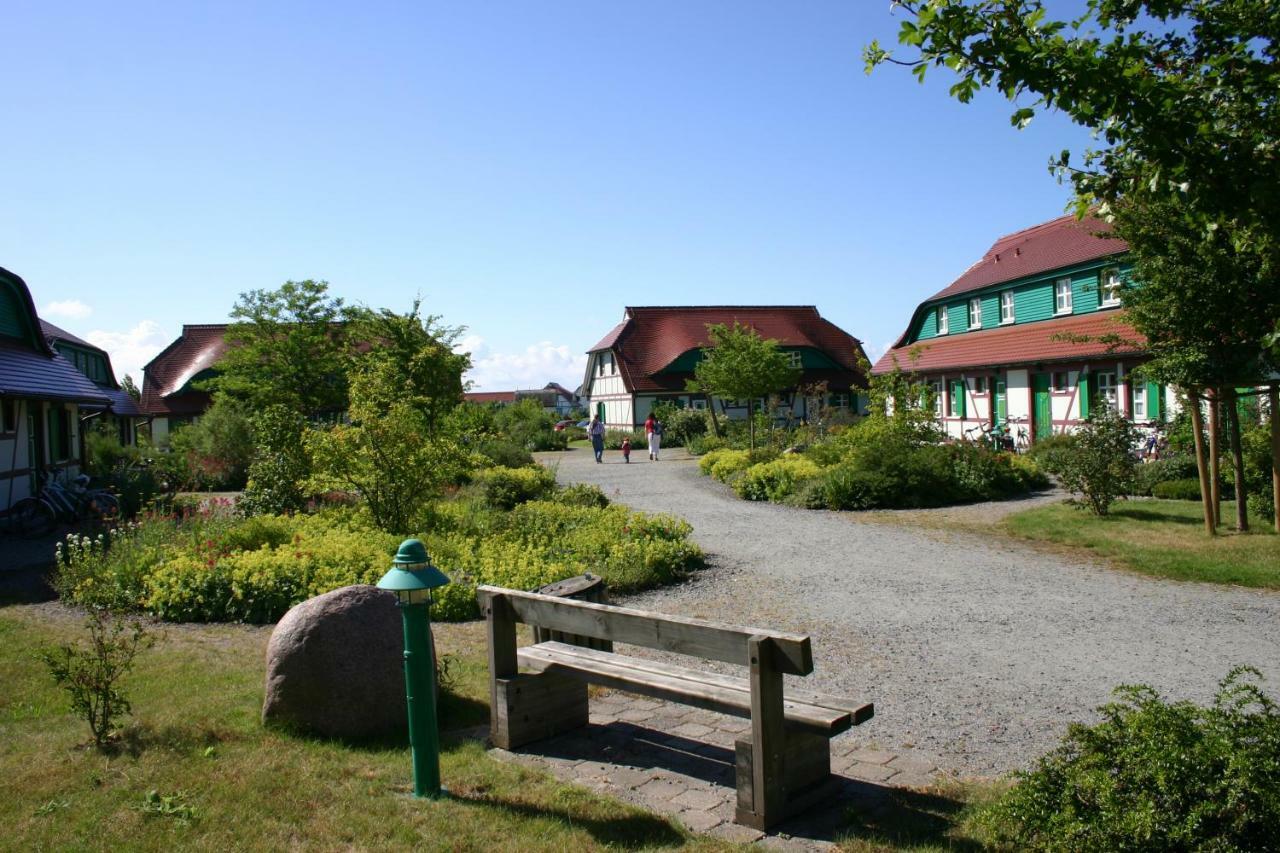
<point x="713" y="307"/>
<point x="1035" y="227"/>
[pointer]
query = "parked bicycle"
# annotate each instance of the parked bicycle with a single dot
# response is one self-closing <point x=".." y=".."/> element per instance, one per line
<point x="37" y="516"/>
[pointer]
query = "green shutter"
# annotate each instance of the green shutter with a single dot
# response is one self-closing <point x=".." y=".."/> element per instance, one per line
<point x="1082" y="388"/>
<point x="1154" y="392"/>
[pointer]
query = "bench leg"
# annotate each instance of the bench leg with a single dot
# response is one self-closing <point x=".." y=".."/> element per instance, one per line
<point x="806" y="770"/>
<point x="531" y="707"/>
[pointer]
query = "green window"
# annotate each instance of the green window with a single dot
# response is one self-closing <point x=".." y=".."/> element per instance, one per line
<point x="957" y="398"/>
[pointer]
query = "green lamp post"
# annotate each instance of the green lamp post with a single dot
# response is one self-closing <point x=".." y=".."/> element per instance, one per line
<point x="411" y="578"/>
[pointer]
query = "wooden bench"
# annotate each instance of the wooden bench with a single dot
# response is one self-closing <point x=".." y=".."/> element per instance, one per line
<point x="784" y="765"/>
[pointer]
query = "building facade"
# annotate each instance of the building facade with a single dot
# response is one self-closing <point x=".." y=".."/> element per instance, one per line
<point x="170" y="397"/>
<point x="650" y="356"/>
<point x="1032" y="336"/>
<point x="121" y="414"/>
<point x="40" y="398"/>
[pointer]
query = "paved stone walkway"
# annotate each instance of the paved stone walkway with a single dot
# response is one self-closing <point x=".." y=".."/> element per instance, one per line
<point x="678" y="761"/>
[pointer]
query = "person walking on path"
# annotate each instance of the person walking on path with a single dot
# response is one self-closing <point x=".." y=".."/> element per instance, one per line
<point x="653" y="430"/>
<point x="596" y="433"/>
<point x="626" y="449"/>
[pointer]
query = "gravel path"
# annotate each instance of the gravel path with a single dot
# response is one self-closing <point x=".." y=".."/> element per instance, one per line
<point x="976" y="650"/>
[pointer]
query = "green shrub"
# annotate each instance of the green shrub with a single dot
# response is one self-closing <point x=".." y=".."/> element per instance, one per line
<point x="1256" y="446"/>
<point x="528" y="425"/>
<point x="704" y="444"/>
<point x="680" y="426"/>
<point x="1186" y="489"/>
<point x="1149" y="474"/>
<point x="847" y="486"/>
<point x="1048" y="452"/>
<point x="776" y="480"/>
<point x="1099" y="464"/>
<point x="91" y="674"/>
<point x="280" y="464"/>
<point x="506" y="487"/>
<point x="1153" y="775"/>
<point x="504" y="453"/>
<point x="581" y="494"/>
<point x="219" y="447"/>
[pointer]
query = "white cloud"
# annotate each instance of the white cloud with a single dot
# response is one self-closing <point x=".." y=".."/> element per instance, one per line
<point x="874" y="352"/>
<point x="537" y="365"/>
<point x="67" y="309"/>
<point x="132" y="349"/>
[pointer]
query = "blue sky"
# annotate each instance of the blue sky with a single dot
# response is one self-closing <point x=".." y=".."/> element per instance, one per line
<point x="529" y="169"/>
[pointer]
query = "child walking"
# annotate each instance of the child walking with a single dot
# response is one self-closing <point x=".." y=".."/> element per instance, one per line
<point x="626" y="450"/>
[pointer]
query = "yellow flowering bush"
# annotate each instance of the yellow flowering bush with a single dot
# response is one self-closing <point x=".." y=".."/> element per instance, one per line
<point x="253" y="570"/>
<point x="722" y="465"/>
<point x="773" y="481"/>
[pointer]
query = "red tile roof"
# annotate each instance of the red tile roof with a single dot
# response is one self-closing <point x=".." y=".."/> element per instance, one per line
<point x="651" y="337"/>
<point x="490" y="396"/>
<point x="168" y="373"/>
<point x="1018" y="344"/>
<point x="1050" y="245"/>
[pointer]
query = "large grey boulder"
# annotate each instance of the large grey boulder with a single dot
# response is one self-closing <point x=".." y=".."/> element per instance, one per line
<point x="335" y="665"/>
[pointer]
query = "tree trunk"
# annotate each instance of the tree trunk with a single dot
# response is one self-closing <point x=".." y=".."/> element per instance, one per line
<point x="1274" y="398"/>
<point x="751" y="423"/>
<point x="1237" y="461"/>
<point x="711" y="407"/>
<point x="1215" y="457"/>
<point x="1202" y="468"/>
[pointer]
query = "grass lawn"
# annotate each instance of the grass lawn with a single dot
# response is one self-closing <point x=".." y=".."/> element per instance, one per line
<point x="223" y="782"/>
<point x="1161" y="538"/>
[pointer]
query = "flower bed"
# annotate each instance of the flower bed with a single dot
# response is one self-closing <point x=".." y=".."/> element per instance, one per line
<point x="212" y="567"/>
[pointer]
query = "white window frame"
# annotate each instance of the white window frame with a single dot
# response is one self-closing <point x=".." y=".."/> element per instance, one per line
<point x="937" y="398"/>
<point x="794" y="357"/>
<point x="1006" y="302"/>
<point x="1063" y="386"/>
<point x="840" y="401"/>
<point x="1109" y="286"/>
<point x="943" y="324"/>
<point x="1140" y="401"/>
<point x="1108" y="389"/>
<point x="1062" y="296"/>
<point x="953" y="410"/>
<point x="975" y="313"/>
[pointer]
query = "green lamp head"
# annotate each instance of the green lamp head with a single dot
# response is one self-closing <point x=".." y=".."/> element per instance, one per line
<point x="411" y="576"/>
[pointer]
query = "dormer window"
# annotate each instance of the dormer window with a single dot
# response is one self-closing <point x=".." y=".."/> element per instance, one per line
<point x="942" y="320"/>
<point x="793" y="358"/>
<point x="1110" y="280"/>
<point x="975" y="313"/>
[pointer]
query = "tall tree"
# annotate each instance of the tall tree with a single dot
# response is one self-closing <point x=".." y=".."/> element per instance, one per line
<point x="127" y="386"/>
<point x="421" y="350"/>
<point x="287" y="348"/>
<point x="1185" y="97"/>
<point x="741" y="365"/>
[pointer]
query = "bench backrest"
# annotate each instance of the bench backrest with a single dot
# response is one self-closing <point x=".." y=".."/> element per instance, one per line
<point x="681" y="634"/>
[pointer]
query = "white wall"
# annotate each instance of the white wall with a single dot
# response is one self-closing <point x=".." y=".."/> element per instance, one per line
<point x="14" y="456"/>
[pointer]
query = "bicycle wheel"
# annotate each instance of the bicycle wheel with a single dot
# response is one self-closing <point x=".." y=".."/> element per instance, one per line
<point x="33" y="518"/>
<point x="104" y="506"/>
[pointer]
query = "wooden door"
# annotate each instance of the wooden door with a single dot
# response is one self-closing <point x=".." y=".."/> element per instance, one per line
<point x="1044" y="405"/>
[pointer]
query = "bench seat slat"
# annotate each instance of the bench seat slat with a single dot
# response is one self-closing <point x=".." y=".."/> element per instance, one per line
<point x="712" y="691"/>
<point x="860" y="711"/>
